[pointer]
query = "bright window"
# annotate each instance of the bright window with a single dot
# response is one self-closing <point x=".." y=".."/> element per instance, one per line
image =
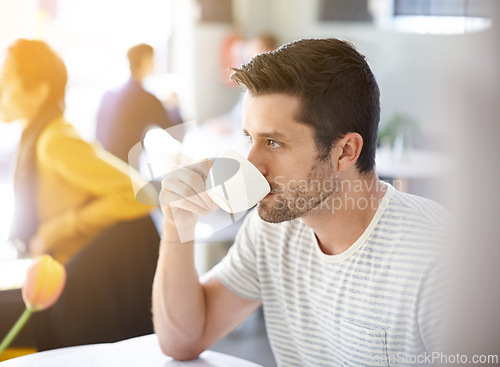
<point x="440" y="16"/>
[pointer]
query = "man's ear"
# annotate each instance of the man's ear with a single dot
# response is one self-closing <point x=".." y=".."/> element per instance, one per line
<point x="348" y="149"/>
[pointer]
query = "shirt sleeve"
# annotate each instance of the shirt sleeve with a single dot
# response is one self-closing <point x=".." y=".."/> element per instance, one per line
<point x="100" y="175"/>
<point x="238" y="269"/>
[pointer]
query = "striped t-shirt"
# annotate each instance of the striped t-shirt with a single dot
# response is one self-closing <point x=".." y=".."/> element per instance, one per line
<point x="372" y="305"/>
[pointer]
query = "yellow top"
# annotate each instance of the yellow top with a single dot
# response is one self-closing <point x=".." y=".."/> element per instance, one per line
<point x="82" y="190"/>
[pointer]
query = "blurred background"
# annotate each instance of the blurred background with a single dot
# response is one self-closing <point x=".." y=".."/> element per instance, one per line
<point x="436" y="62"/>
<point x="415" y="48"/>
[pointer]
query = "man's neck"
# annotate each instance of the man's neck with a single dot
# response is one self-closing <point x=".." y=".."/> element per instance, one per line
<point x="347" y="213"/>
<point x="137" y="77"/>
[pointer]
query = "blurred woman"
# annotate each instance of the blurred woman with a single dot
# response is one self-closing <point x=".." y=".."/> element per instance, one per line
<point x="75" y="202"/>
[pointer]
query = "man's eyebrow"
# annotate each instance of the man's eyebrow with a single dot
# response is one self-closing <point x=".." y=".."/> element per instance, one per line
<point x="268" y="135"/>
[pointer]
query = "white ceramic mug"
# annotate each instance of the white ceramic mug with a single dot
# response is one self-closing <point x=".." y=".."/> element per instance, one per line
<point x="235" y="184"/>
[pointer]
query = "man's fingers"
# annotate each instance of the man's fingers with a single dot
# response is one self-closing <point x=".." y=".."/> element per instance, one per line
<point x="202" y="167"/>
<point x="190" y="182"/>
<point x="179" y="194"/>
<point x="179" y="202"/>
<point x="208" y="201"/>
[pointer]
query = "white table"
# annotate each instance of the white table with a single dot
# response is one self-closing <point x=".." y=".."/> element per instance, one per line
<point x="143" y="351"/>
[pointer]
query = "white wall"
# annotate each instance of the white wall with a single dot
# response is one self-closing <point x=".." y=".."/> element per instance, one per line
<point x="195" y="56"/>
<point x="17" y="19"/>
<point x="213" y="96"/>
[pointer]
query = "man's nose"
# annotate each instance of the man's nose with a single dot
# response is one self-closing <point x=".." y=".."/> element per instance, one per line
<point x="257" y="159"/>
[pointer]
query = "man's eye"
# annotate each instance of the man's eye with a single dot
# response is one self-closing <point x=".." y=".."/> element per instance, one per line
<point x="273" y="143"/>
<point x="250" y="140"/>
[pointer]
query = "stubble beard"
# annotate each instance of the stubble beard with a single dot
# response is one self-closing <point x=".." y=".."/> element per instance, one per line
<point x="299" y="200"/>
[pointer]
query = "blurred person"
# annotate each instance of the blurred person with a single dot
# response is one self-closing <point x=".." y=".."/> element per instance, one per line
<point x="346" y="268"/>
<point x="76" y="202"/>
<point x="125" y="114"/>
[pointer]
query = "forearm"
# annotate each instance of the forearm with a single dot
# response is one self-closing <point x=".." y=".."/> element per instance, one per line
<point x="178" y="299"/>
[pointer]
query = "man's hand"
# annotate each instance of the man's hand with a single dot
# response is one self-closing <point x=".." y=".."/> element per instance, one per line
<point x="183" y="198"/>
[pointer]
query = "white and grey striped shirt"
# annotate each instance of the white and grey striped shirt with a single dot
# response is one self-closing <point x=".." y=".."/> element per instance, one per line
<point x="371" y="305"/>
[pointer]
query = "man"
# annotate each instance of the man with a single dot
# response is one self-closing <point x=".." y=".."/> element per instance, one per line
<point x="343" y="264"/>
<point x="124" y="115"/>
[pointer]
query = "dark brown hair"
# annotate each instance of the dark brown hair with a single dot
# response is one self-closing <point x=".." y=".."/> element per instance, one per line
<point x="334" y="83"/>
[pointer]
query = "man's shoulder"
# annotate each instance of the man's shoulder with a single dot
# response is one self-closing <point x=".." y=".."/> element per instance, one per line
<point x="129" y="89"/>
<point x="418" y="208"/>
<point x="418" y="223"/>
<point x="134" y="89"/>
<point x="113" y="93"/>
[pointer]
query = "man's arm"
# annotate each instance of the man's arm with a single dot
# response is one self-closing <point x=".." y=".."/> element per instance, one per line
<point x="189" y="315"/>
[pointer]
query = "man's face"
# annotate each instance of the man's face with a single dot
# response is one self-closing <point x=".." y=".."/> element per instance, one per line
<point x="286" y="153"/>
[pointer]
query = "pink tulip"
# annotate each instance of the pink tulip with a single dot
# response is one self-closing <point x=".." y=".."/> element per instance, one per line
<point x="45" y="280"/>
<point x="44" y="283"/>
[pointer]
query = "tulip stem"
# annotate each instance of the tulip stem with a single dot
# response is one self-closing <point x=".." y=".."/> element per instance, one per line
<point x="15" y="330"/>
